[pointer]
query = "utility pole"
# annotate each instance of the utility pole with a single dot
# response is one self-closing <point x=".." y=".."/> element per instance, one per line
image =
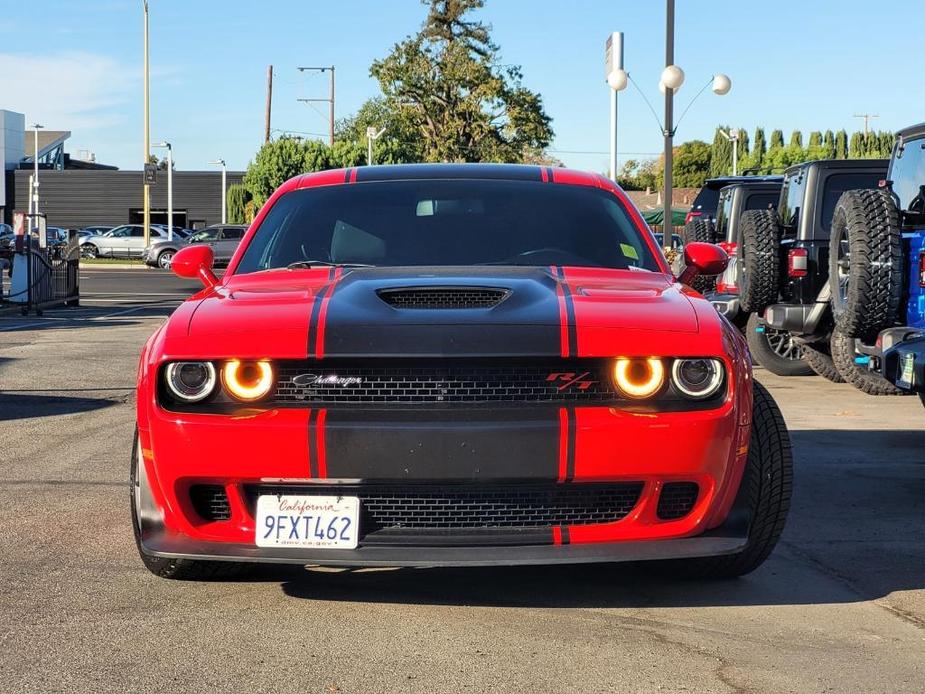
<point x="329" y="100"/>
<point x="669" y="119"/>
<point x="147" y="137"/>
<point x="866" y="117"/>
<point x="33" y="221"/>
<point x="266" y="136"/>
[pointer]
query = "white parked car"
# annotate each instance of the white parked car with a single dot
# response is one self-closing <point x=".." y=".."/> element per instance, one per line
<point x="126" y="241"/>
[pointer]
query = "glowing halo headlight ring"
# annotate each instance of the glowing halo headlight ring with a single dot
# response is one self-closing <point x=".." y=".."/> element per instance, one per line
<point x="190" y="381"/>
<point x="640" y="377"/>
<point x="697" y="379"/>
<point x="247" y="380"/>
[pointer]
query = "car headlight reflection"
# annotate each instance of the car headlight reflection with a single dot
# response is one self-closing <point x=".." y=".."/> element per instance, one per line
<point x="639" y="378"/>
<point x="190" y="381"/>
<point x="697" y="378"/>
<point x="247" y="380"/>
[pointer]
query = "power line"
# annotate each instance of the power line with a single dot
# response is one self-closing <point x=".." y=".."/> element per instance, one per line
<point x="866" y="117"/>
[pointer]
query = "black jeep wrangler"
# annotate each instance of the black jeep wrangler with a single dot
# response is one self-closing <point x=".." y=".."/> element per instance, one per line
<point x="700" y="222"/>
<point x="775" y="350"/>
<point x="783" y="258"/>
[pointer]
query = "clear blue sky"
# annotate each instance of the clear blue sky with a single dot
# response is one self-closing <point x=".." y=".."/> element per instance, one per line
<point x="209" y="60"/>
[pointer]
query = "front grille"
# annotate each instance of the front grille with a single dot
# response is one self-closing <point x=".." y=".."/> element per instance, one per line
<point x="463" y="381"/>
<point x="443" y="297"/>
<point x="677" y="499"/>
<point x="210" y="502"/>
<point x="433" y="508"/>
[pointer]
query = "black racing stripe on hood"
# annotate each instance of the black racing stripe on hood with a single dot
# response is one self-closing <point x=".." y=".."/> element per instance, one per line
<point x="315" y="313"/>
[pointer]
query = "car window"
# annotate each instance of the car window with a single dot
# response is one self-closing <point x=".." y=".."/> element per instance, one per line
<point x="139" y="231"/>
<point x="761" y="201"/>
<point x="836" y="184"/>
<point x="907" y="171"/>
<point x="120" y="232"/>
<point x="707" y="201"/>
<point x="723" y="213"/>
<point x="232" y="233"/>
<point x="791" y="200"/>
<point x="204" y="235"/>
<point x="455" y="222"/>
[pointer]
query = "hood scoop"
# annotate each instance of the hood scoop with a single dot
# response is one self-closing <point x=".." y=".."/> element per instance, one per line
<point x="437" y="298"/>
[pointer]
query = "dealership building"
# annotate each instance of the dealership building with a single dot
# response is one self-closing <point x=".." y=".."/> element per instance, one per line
<point x="76" y="191"/>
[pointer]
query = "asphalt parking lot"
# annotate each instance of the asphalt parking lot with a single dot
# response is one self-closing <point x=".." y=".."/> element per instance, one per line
<point x="840" y="606"/>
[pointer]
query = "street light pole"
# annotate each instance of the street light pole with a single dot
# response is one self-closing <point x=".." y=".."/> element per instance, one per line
<point x="147" y="137"/>
<point x="169" y="187"/>
<point x="371" y="136"/>
<point x="33" y="222"/>
<point x="616" y="78"/>
<point x="733" y="137"/>
<point x="669" y="118"/>
<point x="224" y="180"/>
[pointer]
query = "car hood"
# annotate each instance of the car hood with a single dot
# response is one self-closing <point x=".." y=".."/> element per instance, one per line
<point x="328" y="312"/>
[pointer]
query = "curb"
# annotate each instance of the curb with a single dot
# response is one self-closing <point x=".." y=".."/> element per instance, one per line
<point x="115" y="266"/>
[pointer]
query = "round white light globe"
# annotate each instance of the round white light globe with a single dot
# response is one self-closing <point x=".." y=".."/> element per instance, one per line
<point x="618" y="80"/>
<point x="721" y="84"/>
<point x="673" y="77"/>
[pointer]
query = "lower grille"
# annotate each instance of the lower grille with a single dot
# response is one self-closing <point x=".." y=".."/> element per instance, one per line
<point x="210" y="502"/>
<point x="677" y="499"/>
<point x="440" y="508"/>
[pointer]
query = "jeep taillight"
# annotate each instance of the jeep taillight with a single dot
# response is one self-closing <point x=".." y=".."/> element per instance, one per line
<point x="797" y="262"/>
<point x="922" y="268"/>
<point x="723" y="286"/>
<point x="730" y="248"/>
<point x="691" y="214"/>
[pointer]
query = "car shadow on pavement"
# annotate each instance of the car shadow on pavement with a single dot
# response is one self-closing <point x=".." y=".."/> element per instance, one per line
<point x="855" y="533"/>
<point x="28" y="405"/>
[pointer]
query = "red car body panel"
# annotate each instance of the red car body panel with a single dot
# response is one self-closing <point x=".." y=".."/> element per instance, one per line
<point x="602" y="313"/>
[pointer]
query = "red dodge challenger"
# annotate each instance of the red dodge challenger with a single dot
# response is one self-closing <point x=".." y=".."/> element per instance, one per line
<point x="459" y="365"/>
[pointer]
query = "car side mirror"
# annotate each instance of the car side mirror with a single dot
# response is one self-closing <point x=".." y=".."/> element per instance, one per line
<point x="195" y="262"/>
<point x="700" y="259"/>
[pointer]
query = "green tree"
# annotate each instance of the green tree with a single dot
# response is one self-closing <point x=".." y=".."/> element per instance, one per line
<point x="759" y="151"/>
<point x="777" y="139"/>
<point x="856" y="146"/>
<point x="886" y="144"/>
<point x="796" y="139"/>
<point x="828" y="144"/>
<point x="841" y="145"/>
<point x="279" y="160"/>
<point x="237" y="198"/>
<point x="400" y="143"/>
<point x="721" y="153"/>
<point x="691" y="165"/>
<point x="466" y="104"/>
<point x="815" y="139"/>
<point x="743" y="150"/>
<point x="636" y="175"/>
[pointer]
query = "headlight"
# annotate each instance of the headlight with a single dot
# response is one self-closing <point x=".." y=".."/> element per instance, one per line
<point x="697" y="378"/>
<point x="248" y="380"/>
<point x="190" y="381"/>
<point x="639" y="378"/>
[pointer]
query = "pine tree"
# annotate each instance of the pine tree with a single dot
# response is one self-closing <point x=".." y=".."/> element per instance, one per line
<point x="721" y="153"/>
<point x="796" y="139"/>
<point x="760" y="147"/>
<point x="841" y="145"/>
<point x="777" y="139"/>
<point x="828" y="144"/>
<point x="743" y="150"/>
<point x="886" y="144"/>
<point x="856" y="146"/>
<point x="815" y="140"/>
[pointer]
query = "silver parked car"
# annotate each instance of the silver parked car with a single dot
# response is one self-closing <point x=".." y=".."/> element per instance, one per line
<point x="126" y="241"/>
<point x="223" y="238"/>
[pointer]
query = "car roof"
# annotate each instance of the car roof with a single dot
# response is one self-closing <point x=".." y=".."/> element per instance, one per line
<point x="912" y="131"/>
<point x="875" y="164"/>
<point x="723" y="181"/>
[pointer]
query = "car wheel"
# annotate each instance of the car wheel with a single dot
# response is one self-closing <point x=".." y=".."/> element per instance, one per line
<point x="165" y="567"/>
<point x="88" y="250"/>
<point x="775" y="350"/>
<point x="767" y="483"/>
<point x="819" y="358"/>
<point x="164" y="259"/>
<point x="758" y="260"/>
<point x="865" y="263"/>
<point x="844" y="357"/>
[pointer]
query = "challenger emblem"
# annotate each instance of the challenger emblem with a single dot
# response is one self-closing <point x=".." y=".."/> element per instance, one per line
<point x="320" y="381"/>
<point x="571" y="379"/>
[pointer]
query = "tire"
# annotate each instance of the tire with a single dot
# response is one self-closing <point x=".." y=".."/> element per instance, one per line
<point x="767" y="484"/>
<point x="817" y="355"/>
<point x="700" y="231"/>
<point x="759" y="259"/>
<point x="164" y="258"/>
<point x="865" y="263"/>
<point x="88" y="250"/>
<point x="858" y="375"/>
<point x="164" y="567"/>
<point x="775" y="350"/>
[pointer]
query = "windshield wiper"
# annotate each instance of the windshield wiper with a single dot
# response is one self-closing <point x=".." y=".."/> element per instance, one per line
<point x="322" y="263"/>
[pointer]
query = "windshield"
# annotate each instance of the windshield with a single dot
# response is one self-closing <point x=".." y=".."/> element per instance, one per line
<point x="908" y="171"/>
<point x="443" y="223"/>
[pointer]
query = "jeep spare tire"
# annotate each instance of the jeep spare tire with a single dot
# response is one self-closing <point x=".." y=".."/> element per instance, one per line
<point x="865" y="263"/>
<point x="758" y="259"/>
<point x="845" y="358"/>
<point x="700" y="230"/>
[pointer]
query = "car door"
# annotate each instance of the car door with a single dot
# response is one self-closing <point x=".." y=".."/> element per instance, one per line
<point x="116" y="243"/>
<point x="226" y="244"/>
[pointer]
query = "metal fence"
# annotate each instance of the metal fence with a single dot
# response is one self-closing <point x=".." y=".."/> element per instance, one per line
<point x="43" y="277"/>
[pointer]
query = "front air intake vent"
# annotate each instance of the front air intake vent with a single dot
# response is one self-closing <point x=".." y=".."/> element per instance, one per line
<point x="443" y="297"/>
<point x="210" y="502"/>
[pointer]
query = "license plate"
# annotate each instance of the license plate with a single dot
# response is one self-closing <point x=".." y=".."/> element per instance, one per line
<point x="907" y="374"/>
<point x="329" y="522"/>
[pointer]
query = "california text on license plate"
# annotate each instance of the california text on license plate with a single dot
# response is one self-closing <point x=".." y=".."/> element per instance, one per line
<point x="331" y="522"/>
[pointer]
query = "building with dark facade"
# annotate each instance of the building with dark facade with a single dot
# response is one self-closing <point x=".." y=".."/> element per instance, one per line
<point x="77" y="191"/>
